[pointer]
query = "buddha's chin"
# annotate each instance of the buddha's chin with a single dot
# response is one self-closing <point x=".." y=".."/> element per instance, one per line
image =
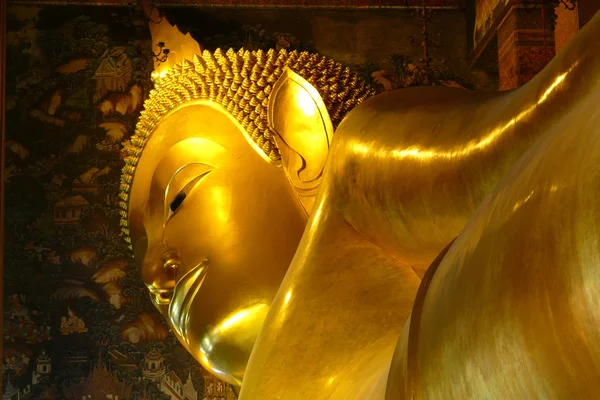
<point x="225" y="348"/>
<point x="180" y="305"/>
<point x="222" y="348"/>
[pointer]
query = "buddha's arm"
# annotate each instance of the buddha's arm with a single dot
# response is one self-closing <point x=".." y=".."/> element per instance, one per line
<point x="333" y="326"/>
<point x="408" y="180"/>
<point x="512" y="311"/>
<point x="412" y="165"/>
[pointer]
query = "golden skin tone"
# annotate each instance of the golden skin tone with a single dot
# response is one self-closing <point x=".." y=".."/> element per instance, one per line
<point x="516" y="295"/>
<point x="201" y="259"/>
<point x="214" y="209"/>
<point x="405" y="175"/>
<point x="388" y="204"/>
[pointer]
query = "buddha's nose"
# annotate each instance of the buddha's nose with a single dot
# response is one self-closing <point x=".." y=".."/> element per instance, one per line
<point x="159" y="270"/>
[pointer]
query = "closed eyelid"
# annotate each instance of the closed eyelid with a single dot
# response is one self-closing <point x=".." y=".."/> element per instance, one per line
<point x="182" y="194"/>
<point x="177" y="183"/>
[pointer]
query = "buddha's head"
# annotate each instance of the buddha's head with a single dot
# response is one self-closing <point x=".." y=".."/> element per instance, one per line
<point x="217" y="187"/>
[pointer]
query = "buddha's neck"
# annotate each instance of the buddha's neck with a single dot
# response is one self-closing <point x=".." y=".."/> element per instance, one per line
<point x="339" y="286"/>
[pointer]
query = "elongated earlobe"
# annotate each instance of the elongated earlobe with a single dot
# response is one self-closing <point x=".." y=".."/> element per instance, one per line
<point x="298" y="116"/>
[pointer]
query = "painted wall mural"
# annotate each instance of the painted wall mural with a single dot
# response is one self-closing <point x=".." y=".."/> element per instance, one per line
<point x="485" y="13"/>
<point x="77" y="318"/>
<point x="78" y="321"/>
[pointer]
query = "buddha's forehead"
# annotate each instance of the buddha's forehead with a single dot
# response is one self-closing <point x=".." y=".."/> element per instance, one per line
<point x="197" y="151"/>
<point x="197" y="132"/>
<point x="206" y="121"/>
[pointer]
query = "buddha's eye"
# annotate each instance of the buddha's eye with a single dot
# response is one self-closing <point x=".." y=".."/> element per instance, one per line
<point x="177" y="201"/>
<point x="183" y="193"/>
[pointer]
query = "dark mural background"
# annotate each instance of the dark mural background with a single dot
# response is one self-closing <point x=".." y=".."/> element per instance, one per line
<point x="77" y="320"/>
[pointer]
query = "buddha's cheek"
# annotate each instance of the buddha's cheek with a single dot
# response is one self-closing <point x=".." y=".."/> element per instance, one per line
<point x="204" y="226"/>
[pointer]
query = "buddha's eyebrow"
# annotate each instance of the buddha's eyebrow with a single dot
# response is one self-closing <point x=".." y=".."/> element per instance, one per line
<point x="200" y="170"/>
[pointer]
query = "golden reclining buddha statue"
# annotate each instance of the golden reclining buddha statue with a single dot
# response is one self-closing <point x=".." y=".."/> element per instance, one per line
<point x="316" y="241"/>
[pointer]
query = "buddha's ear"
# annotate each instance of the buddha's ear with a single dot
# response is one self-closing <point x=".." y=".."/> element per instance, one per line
<point x="298" y="116"/>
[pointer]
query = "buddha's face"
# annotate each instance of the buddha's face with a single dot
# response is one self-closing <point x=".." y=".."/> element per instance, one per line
<point x="214" y="228"/>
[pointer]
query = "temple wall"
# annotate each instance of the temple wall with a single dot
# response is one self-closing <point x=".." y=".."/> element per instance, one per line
<point x="354" y="36"/>
<point x="526" y="35"/>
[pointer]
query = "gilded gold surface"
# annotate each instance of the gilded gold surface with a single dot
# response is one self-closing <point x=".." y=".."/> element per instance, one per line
<point x="303" y="140"/>
<point x="359" y="215"/>
<point x="241" y="83"/>
<point x="205" y="266"/>
<point x="512" y="310"/>
<point x="406" y="172"/>
<point x="206" y="200"/>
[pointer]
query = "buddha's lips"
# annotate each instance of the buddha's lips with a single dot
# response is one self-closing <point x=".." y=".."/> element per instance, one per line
<point x="183" y="295"/>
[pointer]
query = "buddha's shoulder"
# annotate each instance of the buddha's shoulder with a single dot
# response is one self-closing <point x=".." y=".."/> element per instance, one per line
<point x="404" y="99"/>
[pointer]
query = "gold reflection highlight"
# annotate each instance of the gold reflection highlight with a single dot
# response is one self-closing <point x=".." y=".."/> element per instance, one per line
<point x="519" y="203"/>
<point x="473" y="146"/>
<point x="306" y="104"/>
<point x="157" y="75"/>
<point x="205" y="180"/>
<point x="353" y="220"/>
<point x="488" y="139"/>
<point x="407" y="171"/>
<point x="239" y="329"/>
<point x="237" y="319"/>
<point x="222" y="200"/>
<point x="512" y="310"/>
<point x="183" y="295"/>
